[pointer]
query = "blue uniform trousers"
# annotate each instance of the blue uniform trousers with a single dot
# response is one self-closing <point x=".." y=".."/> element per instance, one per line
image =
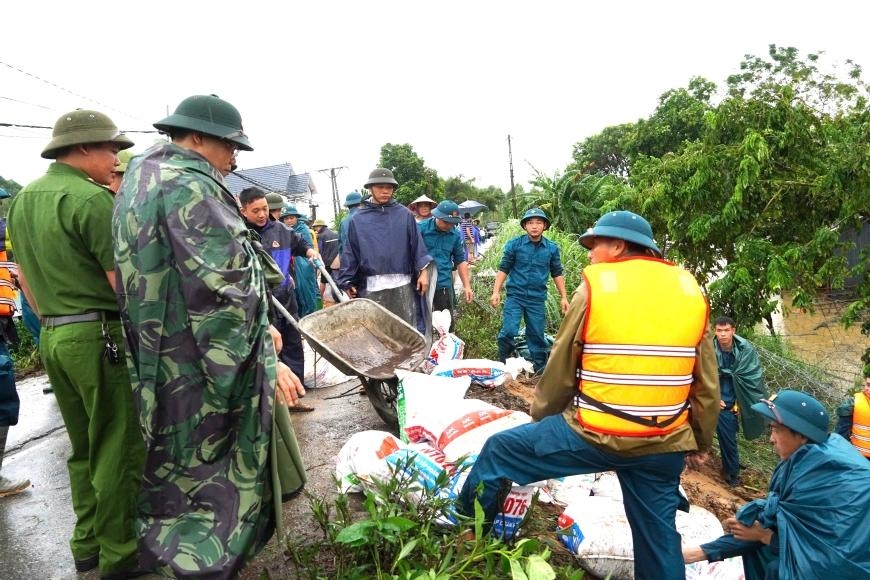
<point x="726" y="432"/>
<point x="535" y="316"/>
<point x="30" y="319"/>
<point x="292" y="353"/>
<point x="550" y="448"/>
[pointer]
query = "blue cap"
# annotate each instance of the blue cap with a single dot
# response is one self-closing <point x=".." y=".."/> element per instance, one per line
<point x="535" y="212"/>
<point x="289" y="210"/>
<point x="353" y="198"/>
<point x="622" y="225"/>
<point x="797" y="411"/>
<point x="448" y="211"/>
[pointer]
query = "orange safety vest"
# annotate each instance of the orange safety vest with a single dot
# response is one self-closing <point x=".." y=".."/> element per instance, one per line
<point x="644" y="320"/>
<point x="8" y="290"/>
<point x="861" y="424"/>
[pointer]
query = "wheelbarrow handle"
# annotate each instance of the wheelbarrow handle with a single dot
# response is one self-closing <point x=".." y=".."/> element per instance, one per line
<point x="283" y="312"/>
<point x="342" y="297"/>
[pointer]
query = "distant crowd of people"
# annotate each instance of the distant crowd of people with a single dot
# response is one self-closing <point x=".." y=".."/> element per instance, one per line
<point x="160" y="299"/>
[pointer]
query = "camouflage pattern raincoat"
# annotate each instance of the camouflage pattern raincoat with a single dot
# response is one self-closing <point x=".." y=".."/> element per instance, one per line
<point x="193" y="301"/>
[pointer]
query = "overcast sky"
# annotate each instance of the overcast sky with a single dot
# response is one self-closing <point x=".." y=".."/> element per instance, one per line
<point x="325" y="84"/>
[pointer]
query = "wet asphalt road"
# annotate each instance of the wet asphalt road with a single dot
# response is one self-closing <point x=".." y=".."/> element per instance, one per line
<point x="35" y="525"/>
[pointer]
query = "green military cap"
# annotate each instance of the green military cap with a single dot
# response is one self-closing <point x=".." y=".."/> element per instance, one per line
<point x="84" y="126"/>
<point x="124" y="157"/>
<point x="275" y="200"/>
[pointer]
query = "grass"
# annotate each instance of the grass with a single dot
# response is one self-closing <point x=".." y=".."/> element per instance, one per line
<point x="25" y="355"/>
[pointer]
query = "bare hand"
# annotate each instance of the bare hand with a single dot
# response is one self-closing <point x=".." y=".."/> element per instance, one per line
<point x="721" y="404"/>
<point x="423" y="282"/>
<point x="351" y="291"/>
<point x="753" y="533"/>
<point x="695" y="459"/>
<point x="276" y="338"/>
<point x="565" y="305"/>
<point x="495" y="299"/>
<point x="313" y="256"/>
<point x="469" y="295"/>
<point x="289" y="387"/>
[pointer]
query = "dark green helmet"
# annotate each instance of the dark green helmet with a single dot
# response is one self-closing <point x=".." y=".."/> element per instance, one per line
<point x="381" y="176"/>
<point x="207" y="114"/>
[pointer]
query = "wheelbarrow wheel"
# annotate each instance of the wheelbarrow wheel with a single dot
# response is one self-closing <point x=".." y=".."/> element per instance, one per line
<point x="382" y="395"/>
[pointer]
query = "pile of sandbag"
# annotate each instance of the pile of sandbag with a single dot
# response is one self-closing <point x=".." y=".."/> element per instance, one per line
<point x="598" y="533"/>
<point x="442" y="431"/>
<point x="445" y="358"/>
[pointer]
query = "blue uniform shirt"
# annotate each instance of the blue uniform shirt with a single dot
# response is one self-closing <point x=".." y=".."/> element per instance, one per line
<point x="529" y="266"/>
<point x="445" y="248"/>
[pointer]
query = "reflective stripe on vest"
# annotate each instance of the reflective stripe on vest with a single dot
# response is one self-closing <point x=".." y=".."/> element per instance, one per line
<point x="644" y="320"/>
<point x="8" y="290"/>
<point x="861" y="424"/>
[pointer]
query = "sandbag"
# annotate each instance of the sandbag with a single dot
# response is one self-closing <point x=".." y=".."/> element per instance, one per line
<point x="599" y="535"/>
<point x="447" y="347"/>
<point x="421" y="396"/>
<point x="361" y="459"/>
<point x="489" y="373"/>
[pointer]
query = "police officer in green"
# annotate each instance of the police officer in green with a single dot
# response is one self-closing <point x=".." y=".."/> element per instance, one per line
<point x="64" y="251"/>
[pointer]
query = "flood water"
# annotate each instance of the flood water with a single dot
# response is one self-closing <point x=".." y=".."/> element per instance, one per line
<point x="819" y="339"/>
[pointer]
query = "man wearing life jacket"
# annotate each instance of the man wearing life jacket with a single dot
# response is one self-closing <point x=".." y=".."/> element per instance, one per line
<point x="853" y="419"/>
<point x="631" y="386"/>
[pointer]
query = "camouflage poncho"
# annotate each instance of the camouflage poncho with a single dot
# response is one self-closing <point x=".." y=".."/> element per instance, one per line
<point x="202" y="364"/>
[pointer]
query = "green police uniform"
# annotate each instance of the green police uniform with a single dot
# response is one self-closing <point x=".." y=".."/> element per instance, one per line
<point x="63" y="228"/>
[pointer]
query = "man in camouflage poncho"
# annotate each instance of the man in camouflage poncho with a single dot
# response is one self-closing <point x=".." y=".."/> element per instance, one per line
<point x="202" y="359"/>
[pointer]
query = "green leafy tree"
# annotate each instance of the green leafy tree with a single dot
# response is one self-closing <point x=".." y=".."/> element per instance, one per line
<point x="758" y="203"/>
<point x="415" y="179"/>
<point x="11" y="187"/>
<point x="573" y="201"/>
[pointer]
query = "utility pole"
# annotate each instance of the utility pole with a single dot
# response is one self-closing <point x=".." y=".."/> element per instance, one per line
<point x="513" y="189"/>
<point x="335" y="201"/>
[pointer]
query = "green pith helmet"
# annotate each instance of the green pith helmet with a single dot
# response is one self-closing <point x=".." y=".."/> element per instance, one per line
<point x="797" y="411"/>
<point x="535" y="212"/>
<point x="275" y="200"/>
<point x="84" y="126"/>
<point x="124" y="157"/>
<point x="381" y="176"/>
<point x="207" y="114"/>
<point x="622" y="225"/>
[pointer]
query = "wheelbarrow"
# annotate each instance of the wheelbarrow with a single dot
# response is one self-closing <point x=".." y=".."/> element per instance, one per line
<point x="360" y="337"/>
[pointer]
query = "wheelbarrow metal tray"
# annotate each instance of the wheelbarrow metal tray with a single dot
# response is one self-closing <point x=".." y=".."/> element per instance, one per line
<point x="361" y="337"/>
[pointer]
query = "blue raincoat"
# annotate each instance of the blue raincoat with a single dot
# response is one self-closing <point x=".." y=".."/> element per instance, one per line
<point x="819" y="503"/>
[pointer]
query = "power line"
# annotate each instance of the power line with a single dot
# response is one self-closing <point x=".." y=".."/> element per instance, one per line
<point x="25" y="103"/>
<point x="23" y="126"/>
<point x="65" y="90"/>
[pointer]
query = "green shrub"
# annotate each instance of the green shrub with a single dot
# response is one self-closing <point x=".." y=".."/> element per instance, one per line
<point x="479" y="323"/>
<point x="400" y="535"/>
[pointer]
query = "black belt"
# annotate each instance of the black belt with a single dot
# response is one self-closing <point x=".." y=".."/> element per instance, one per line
<point x="55" y="321"/>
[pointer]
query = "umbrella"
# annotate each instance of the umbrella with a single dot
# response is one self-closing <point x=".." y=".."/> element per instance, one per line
<point x="471" y="206"/>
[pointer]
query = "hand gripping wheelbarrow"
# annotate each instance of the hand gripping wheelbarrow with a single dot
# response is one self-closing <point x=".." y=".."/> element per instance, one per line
<point x="360" y="337"/>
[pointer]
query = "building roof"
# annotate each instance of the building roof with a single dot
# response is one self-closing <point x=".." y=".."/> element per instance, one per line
<point x="278" y="178"/>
